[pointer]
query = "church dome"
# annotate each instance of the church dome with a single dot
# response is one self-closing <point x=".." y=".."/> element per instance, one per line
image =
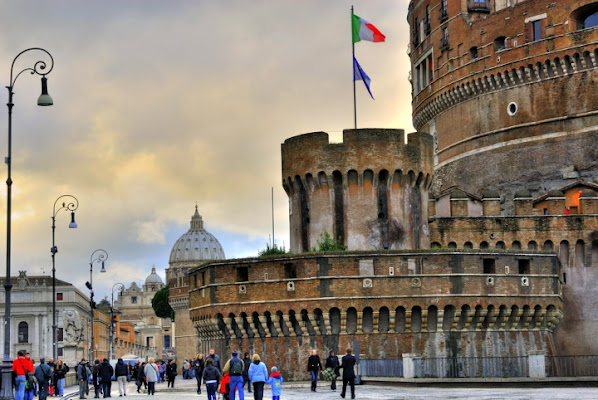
<point x="153" y="277"/>
<point x="197" y="244"/>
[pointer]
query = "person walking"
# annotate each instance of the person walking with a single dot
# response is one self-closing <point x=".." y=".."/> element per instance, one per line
<point x="258" y="374"/>
<point x="185" y="369"/>
<point x="247" y="363"/>
<point x="43" y="374"/>
<point x="140" y="377"/>
<point x="22" y="367"/>
<point x="120" y="373"/>
<point x="95" y="375"/>
<point x="333" y="362"/>
<point x="211" y="376"/>
<point x="216" y="359"/>
<point x="275" y="380"/>
<point x="60" y="371"/>
<point x="348" y="365"/>
<point x="83" y="373"/>
<point x="151" y="374"/>
<point x="198" y="366"/>
<point x="235" y="367"/>
<point x="171" y="373"/>
<point x="314" y="366"/>
<point x="52" y="386"/>
<point x="106" y="372"/>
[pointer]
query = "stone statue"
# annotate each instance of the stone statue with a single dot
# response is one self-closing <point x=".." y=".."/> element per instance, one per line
<point x="73" y="329"/>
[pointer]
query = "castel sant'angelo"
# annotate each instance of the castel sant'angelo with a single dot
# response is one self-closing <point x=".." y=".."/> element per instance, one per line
<point x="477" y="236"/>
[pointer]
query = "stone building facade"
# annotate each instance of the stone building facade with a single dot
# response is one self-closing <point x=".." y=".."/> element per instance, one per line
<point x="192" y="248"/>
<point x="507" y="89"/>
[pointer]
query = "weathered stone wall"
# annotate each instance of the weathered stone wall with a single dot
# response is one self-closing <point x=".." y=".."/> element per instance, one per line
<point x="371" y="190"/>
<point x="431" y="303"/>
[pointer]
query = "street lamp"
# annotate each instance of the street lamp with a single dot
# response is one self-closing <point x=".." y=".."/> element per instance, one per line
<point x="44" y="99"/>
<point x="112" y="322"/>
<point x="102" y="256"/>
<point x="71" y="206"/>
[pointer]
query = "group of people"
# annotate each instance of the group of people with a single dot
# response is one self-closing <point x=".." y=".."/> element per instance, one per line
<point x="333" y="366"/>
<point x="42" y="380"/>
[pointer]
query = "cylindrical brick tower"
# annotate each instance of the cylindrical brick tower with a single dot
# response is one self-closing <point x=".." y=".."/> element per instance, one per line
<point x="370" y="191"/>
<point x="507" y="88"/>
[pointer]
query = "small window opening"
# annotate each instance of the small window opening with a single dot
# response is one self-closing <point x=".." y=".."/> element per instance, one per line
<point x="489" y="266"/>
<point x="290" y="271"/>
<point x="524" y="267"/>
<point x="242" y="274"/>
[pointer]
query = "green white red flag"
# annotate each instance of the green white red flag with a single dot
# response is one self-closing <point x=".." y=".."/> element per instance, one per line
<point x="364" y="30"/>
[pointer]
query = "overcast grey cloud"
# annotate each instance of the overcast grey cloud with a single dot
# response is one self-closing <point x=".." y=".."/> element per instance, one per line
<point x="159" y="104"/>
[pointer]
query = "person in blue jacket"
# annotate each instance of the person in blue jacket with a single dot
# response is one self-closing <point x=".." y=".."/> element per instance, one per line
<point x="258" y="375"/>
<point x="275" y="380"/>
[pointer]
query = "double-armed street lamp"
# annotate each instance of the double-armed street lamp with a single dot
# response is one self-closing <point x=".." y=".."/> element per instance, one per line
<point x="112" y="319"/>
<point x="40" y="68"/>
<point x="71" y="204"/>
<point x="101" y="257"/>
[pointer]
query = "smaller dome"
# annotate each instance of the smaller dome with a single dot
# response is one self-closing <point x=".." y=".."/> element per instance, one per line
<point x="588" y="193"/>
<point x="556" y="193"/>
<point x="153" y="277"/>
<point x="458" y="194"/>
<point x="523" y="194"/>
<point x="490" y="194"/>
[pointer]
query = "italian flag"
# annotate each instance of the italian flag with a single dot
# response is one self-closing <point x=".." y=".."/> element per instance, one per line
<point x="364" y="30"/>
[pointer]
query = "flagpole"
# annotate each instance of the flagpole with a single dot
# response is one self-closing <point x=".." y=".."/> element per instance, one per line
<point x="353" y="66"/>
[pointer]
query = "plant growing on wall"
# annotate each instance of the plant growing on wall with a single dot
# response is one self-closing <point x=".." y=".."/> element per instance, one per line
<point x="327" y="243"/>
<point x="273" y="250"/>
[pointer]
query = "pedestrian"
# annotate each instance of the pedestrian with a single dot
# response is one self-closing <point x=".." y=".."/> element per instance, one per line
<point x="198" y="366"/>
<point x="314" y="366"/>
<point x="151" y="374"/>
<point x="247" y="363"/>
<point x="185" y="369"/>
<point x="162" y="371"/>
<point x="106" y="372"/>
<point x="171" y="373"/>
<point x="275" y="380"/>
<point x="225" y="386"/>
<point x="60" y="371"/>
<point x="52" y="386"/>
<point x="43" y="374"/>
<point x="83" y="374"/>
<point x="120" y="373"/>
<point x="211" y="376"/>
<point x="140" y="377"/>
<point x="235" y="367"/>
<point x="333" y="363"/>
<point x="258" y="374"/>
<point x="348" y="365"/>
<point x="216" y="359"/>
<point x="22" y="367"/>
<point x="95" y="376"/>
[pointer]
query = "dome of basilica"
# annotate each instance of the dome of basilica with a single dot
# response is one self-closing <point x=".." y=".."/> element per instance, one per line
<point x="196" y="244"/>
<point x="153" y="277"/>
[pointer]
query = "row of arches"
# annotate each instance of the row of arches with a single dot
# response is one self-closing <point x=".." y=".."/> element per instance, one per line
<point x="383" y="320"/>
<point x="549" y="68"/>
<point x="570" y="255"/>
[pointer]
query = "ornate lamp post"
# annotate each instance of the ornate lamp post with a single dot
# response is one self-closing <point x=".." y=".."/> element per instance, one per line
<point x="101" y="257"/>
<point x="44" y="99"/>
<point x="71" y="206"/>
<point x="112" y="322"/>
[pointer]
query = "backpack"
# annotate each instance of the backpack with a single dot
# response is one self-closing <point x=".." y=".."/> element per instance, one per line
<point x="236" y="367"/>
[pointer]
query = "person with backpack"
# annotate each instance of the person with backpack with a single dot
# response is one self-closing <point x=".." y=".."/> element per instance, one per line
<point x="22" y="368"/>
<point x="151" y="374"/>
<point x="235" y="367"/>
<point x="43" y="374"/>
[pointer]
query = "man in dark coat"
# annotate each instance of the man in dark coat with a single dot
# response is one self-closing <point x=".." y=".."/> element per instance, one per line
<point x="106" y="372"/>
<point x="43" y="374"/>
<point x="247" y="363"/>
<point x="348" y="365"/>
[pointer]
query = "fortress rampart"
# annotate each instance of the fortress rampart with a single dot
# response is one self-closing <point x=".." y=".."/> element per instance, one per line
<point x="370" y="191"/>
<point x="434" y="303"/>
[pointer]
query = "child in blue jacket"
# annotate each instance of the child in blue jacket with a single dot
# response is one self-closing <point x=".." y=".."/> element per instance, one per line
<point x="275" y="380"/>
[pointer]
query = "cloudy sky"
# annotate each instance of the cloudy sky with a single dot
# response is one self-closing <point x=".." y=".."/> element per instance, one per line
<point x="162" y="104"/>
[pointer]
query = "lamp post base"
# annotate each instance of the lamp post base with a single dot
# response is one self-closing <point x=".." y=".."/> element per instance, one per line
<point x="6" y="392"/>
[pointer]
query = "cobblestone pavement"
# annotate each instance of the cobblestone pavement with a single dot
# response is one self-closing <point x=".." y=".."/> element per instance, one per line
<point x="300" y="391"/>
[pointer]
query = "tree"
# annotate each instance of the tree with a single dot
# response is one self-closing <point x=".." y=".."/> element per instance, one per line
<point x="160" y="304"/>
<point x="104" y="305"/>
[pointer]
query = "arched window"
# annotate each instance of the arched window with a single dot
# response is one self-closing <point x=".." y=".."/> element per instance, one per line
<point x="484" y="245"/>
<point x="351" y="320"/>
<point x="564" y="253"/>
<point x="23" y="332"/>
<point x="468" y="245"/>
<point x="580" y="253"/>
<point x="532" y="245"/>
<point x="500" y="245"/>
<point x="548" y="246"/>
<point x="452" y="245"/>
<point x="516" y="245"/>
<point x="586" y="16"/>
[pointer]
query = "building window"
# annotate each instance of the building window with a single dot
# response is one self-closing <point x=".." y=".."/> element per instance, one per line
<point x="60" y="352"/>
<point x="536" y="30"/>
<point x="489" y="266"/>
<point x="591" y="21"/>
<point x="242" y="274"/>
<point x="443" y="11"/>
<point x="473" y="53"/>
<point x="500" y="43"/>
<point x="290" y="271"/>
<point x="444" y="41"/>
<point x="23" y="332"/>
<point x="133" y="299"/>
<point x="523" y="267"/>
<point x="167" y="341"/>
<point x="59" y="334"/>
<point x="59" y="297"/>
<point x="424" y="73"/>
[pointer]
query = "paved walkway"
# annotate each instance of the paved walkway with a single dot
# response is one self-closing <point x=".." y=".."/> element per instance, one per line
<point x="186" y="389"/>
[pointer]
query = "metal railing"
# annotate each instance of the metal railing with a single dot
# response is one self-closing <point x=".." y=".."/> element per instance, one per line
<point x="478" y="6"/>
<point x="563" y="366"/>
<point x="381" y="368"/>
